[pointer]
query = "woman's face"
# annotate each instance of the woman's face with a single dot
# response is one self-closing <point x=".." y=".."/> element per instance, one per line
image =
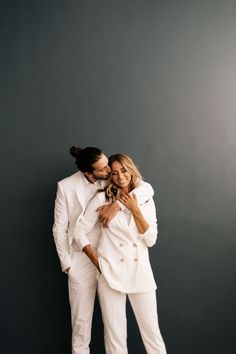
<point x="120" y="176"/>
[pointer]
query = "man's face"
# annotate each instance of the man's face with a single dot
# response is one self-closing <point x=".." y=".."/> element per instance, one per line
<point x="101" y="168"/>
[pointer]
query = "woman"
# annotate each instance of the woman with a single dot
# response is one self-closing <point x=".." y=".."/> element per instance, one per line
<point x="123" y="259"/>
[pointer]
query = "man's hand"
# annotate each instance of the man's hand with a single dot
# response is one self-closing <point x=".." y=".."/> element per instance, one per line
<point x="107" y="212"/>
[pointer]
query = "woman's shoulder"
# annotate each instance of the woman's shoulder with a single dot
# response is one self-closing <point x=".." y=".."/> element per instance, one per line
<point x="145" y="188"/>
<point x="146" y="184"/>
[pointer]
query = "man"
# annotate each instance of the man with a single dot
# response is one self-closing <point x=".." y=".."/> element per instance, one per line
<point x="73" y="195"/>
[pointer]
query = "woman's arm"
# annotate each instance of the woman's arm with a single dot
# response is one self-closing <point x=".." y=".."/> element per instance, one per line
<point x="145" y="219"/>
<point x="131" y="203"/>
<point x="84" y="225"/>
<point x="92" y="255"/>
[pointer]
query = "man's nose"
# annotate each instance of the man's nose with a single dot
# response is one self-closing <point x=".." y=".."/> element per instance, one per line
<point x="108" y="169"/>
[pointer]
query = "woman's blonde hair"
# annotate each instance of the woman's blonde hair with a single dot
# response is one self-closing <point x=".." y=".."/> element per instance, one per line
<point x="112" y="191"/>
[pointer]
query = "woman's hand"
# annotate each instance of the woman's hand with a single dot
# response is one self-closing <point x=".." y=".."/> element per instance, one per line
<point x="96" y="263"/>
<point x="129" y="201"/>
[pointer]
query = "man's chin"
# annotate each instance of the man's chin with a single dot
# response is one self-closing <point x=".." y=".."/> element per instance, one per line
<point x="104" y="178"/>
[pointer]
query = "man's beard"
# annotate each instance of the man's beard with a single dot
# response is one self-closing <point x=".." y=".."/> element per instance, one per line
<point x="104" y="178"/>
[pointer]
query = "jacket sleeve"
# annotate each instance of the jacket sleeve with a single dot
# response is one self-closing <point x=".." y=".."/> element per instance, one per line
<point x="86" y="223"/>
<point x="60" y="229"/>
<point x="149" y="213"/>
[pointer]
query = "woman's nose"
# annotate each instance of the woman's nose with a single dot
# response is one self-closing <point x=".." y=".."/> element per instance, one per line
<point x="120" y="175"/>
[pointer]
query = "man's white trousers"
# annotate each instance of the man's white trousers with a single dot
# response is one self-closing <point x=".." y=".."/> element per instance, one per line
<point x="82" y="285"/>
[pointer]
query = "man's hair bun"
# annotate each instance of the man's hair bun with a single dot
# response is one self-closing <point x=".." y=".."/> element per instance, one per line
<point x="75" y="151"/>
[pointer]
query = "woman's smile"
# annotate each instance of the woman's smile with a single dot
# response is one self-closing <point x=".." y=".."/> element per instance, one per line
<point x="120" y="176"/>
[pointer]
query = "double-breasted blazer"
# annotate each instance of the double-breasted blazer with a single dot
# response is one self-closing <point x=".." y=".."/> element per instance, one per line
<point x="122" y="250"/>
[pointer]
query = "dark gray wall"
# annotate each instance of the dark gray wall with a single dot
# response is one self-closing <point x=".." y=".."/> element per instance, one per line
<point x="155" y="79"/>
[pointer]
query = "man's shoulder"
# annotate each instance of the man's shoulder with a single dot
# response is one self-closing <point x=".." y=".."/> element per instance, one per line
<point x="70" y="180"/>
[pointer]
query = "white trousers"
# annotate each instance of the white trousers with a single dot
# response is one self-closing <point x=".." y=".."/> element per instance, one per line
<point x="113" y="306"/>
<point x="82" y="285"/>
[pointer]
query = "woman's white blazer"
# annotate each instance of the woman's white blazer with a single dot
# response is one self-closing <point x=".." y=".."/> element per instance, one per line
<point x="122" y="251"/>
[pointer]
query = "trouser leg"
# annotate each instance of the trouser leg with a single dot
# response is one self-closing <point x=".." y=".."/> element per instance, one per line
<point x="145" y="309"/>
<point x="82" y="286"/>
<point x="113" y="307"/>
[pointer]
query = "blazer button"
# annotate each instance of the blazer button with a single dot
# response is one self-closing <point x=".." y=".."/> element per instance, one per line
<point x="121" y="244"/>
<point x="134" y="244"/>
<point x="135" y="259"/>
<point x="122" y="259"/>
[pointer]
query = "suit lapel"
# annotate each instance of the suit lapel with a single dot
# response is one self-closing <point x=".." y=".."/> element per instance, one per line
<point x="80" y="191"/>
<point x="79" y="188"/>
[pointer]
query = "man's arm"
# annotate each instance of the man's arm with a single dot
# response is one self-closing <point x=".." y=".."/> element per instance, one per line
<point x="86" y="223"/>
<point x="107" y="212"/>
<point x="60" y="229"/>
